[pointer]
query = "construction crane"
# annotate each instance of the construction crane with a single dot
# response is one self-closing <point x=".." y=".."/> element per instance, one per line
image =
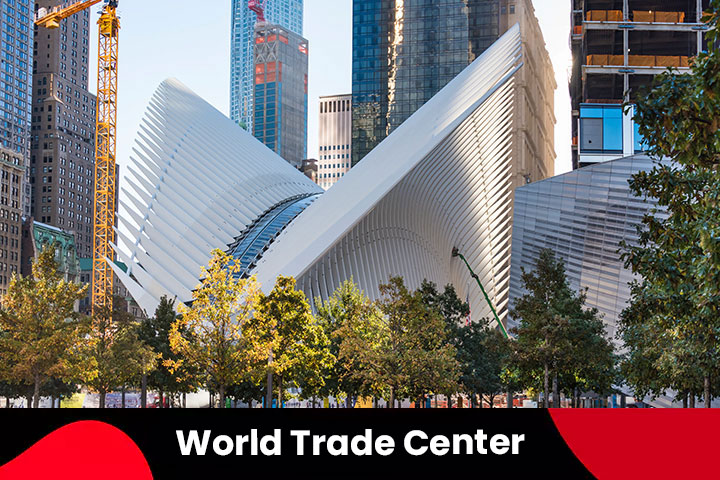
<point x="105" y="142"/>
<point x="258" y="6"/>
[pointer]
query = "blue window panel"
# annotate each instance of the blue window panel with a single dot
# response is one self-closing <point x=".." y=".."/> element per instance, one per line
<point x="612" y="131"/>
<point x="591" y="112"/>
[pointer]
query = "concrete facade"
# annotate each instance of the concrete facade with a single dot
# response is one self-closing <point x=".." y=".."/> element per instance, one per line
<point x="12" y="172"/>
<point x="63" y="129"/>
<point x="335" y="135"/>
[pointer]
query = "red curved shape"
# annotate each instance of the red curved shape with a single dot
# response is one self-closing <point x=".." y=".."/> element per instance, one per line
<point x="642" y="443"/>
<point x="86" y="449"/>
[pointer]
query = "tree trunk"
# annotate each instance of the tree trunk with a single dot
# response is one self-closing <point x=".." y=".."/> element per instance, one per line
<point x="7" y="402"/>
<point x="708" y="398"/>
<point x="184" y="400"/>
<point x="221" y="394"/>
<point x="575" y="399"/>
<point x="102" y="399"/>
<point x="280" y="392"/>
<point x="692" y="400"/>
<point x="546" y="387"/>
<point x="36" y="394"/>
<point x="685" y="400"/>
<point x="143" y="391"/>
<point x="162" y="399"/>
<point x="449" y="401"/>
<point x="392" y="398"/>
<point x="556" y="392"/>
<point x="52" y="401"/>
<point x="510" y="398"/>
<point x="122" y="397"/>
<point x="211" y="400"/>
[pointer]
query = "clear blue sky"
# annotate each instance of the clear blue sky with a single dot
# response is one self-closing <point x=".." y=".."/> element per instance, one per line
<point x="190" y="40"/>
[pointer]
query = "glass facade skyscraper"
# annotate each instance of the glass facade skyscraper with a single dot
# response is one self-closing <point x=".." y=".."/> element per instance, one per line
<point x="286" y="13"/>
<point x="16" y="54"/>
<point x="281" y="92"/>
<point x="405" y="51"/>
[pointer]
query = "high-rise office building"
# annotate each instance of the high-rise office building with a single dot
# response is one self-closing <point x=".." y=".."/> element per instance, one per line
<point x="281" y="91"/>
<point x="405" y="51"/>
<point x="16" y="31"/>
<point x="286" y="13"/>
<point x="63" y="129"/>
<point x="335" y="135"/>
<point x="618" y="47"/>
<point x="12" y="172"/>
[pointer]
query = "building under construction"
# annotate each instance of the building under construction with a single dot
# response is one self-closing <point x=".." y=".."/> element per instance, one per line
<point x="618" y="47"/>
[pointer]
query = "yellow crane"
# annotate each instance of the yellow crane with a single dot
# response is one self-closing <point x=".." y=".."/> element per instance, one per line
<point x="105" y="141"/>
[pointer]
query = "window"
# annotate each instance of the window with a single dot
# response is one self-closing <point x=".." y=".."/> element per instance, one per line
<point x="512" y="9"/>
<point x="601" y="129"/>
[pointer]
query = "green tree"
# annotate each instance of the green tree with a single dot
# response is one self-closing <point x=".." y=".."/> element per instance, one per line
<point x="484" y="355"/>
<point x="155" y="332"/>
<point x="672" y="327"/>
<point x="351" y="323"/>
<point x="116" y="356"/>
<point x="207" y="337"/>
<point x="456" y="314"/>
<point x="41" y="330"/>
<point x="285" y="342"/>
<point x="557" y="337"/>
<point x="414" y="356"/>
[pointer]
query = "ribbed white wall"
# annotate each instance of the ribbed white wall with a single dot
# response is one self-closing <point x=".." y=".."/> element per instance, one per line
<point x="459" y="195"/>
<point x="196" y="181"/>
<point x="442" y="179"/>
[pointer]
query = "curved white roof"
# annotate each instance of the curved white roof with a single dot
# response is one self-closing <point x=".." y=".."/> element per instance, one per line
<point x="441" y="180"/>
<point x="196" y="181"/>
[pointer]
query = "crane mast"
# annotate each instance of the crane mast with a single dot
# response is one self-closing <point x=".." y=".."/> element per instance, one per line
<point x="105" y="143"/>
<point x="105" y="167"/>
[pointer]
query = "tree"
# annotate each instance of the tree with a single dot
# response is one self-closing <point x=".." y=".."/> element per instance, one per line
<point x="483" y="354"/>
<point x="351" y="322"/>
<point x="207" y="337"/>
<point x="672" y="327"/>
<point x="414" y="356"/>
<point x="155" y="332"/>
<point x="116" y="356"/>
<point x="557" y="337"/>
<point x="285" y="342"/>
<point x="41" y="330"/>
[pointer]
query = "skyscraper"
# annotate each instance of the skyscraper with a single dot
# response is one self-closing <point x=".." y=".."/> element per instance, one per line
<point x="281" y="91"/>
<point x="618" y="47"/>
<point x="63" y="129"/>
<point x="12" y="172"/>
<point x="16" y="86"/>
<point x="15" y="103"/>
<point x="335" y="134"/>
<point x="286" y="13"/>
<point x="405" y="51"/>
